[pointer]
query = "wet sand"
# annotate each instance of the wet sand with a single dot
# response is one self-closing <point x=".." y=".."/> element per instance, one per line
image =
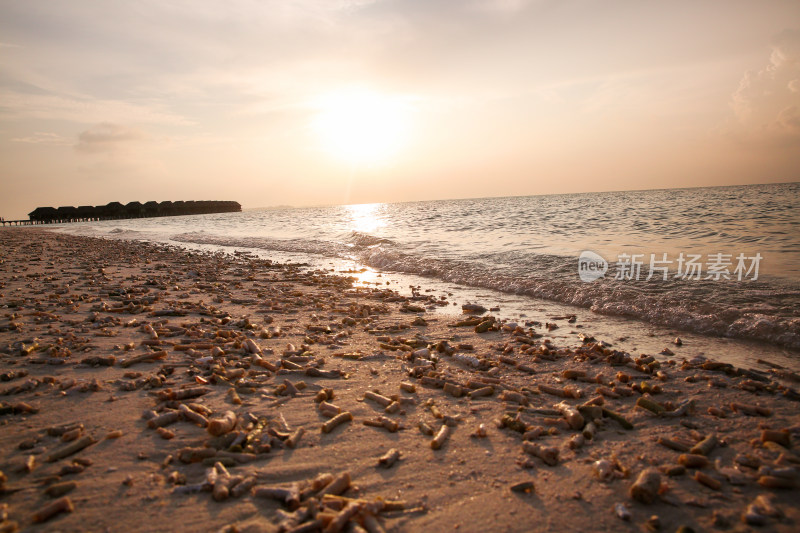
<point x="200" y="389"/>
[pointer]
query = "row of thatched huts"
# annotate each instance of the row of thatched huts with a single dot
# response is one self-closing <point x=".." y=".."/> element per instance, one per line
<point x="116" y="210"/>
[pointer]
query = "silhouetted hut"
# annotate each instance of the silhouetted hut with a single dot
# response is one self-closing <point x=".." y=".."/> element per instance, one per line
<point x="211" y="206"/>
<point x="66" y="213"/>
<point x="86" y="212"/>
<point x="151" y="209"/>
<point x="192" y="207"/>
<point x="231" y="207"/>
<point x="111" y="210"/>
<point x="179" y="208"/>
<point x="165" y="208"/>
<point x="133" y="210"/>
<point x="43" y="215"/>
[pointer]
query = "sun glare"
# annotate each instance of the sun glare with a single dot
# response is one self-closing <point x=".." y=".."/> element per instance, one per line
<point x="365" y="218"/>
<point x="362" y="127"/>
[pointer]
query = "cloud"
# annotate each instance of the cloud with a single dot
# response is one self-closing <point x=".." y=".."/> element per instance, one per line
<point x="500" y="6"/>
<point x="20" y="105"/>
<point x="766" y="101"/>
<point x="107" y="138"/>
<point x="789" y="119"/>
<point x="41" y="137"/>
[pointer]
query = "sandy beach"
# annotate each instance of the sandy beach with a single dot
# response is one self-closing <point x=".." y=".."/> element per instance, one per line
<point x="146" y="388"/>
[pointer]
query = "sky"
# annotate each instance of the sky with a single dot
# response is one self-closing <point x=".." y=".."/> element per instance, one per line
<point x="311" y="102"/>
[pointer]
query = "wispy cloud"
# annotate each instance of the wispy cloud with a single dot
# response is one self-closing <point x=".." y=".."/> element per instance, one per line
<point x="19" y="105"/>
<point x="108" y="138"/>
<point x="789" y="119"/>
<point x="766" y="101"/>
<point x="41" y="137"/>
<point x="500" y="6"/>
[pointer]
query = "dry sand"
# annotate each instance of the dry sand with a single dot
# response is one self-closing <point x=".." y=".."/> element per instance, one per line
<point x="76" y="311"/>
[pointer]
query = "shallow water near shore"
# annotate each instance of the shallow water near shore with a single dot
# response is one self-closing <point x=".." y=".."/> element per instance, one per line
<point x="521" y="254"/>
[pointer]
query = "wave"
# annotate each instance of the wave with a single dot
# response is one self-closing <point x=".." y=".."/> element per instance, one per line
<point x="365" y="240"/>
<point x="124" y="231"/>
<point x="309" y="246"/>
<point x="759" y="311"/>
<point x="705" y="308"/>
<point x="94" y="231"/>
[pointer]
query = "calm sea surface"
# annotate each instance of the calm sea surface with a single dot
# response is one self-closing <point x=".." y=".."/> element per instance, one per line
<point x="740" y="246"/>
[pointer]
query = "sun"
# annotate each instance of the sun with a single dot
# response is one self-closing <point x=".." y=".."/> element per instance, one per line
<point x="362" y="127"/>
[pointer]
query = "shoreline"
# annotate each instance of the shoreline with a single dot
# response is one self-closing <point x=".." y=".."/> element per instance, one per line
<point x="704" y="309"/>
<point x="628" y="333"/>
<point x="84" y="307"/>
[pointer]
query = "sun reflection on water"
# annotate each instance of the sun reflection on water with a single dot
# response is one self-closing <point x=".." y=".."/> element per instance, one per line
<point x="364" y="277"/>
<point x="366" y="218"/>
<point x="363" y="221"/>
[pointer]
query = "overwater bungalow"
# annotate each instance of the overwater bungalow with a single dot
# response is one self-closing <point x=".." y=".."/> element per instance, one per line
<point x="135" y="209"/>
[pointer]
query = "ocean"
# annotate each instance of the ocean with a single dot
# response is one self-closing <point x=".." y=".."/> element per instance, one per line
<point x="725" y="260"/>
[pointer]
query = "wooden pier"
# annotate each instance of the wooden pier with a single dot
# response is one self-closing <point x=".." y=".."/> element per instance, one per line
<point x="17" y="222"/>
